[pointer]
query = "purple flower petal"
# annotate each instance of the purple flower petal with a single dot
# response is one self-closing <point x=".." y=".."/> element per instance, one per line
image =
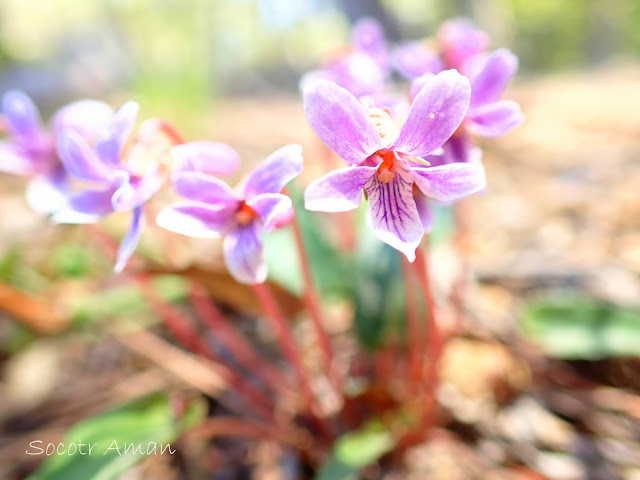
<point x="198" y="220"/>
<point x="425" y="211"/>
<point x="15" y="160"/>
<point x="87" y="117"/>
<point x="450" y="182"/>
<point x="393" y="211"/>
<point x="270" y="207"/>
<point x="79" y="160"/>
<point x="274" y="172"/>
<point x="338" y="191"/>
<point x="110" y="143"/>
<point x="414" y="59"/>
<point x="46" y="194"/>
<point x="201" y="187"/>
<point x="457" y="149"/>
<point x="368" y="36"/>
<point x="244" y="254"/>
<point x="495" y="119"/>
<point x="213" y="158"/>
<point x="340" y="121"/>
<point x="460" y="40"/>
<point x="21" y="115"/>
<point x="130" y="241"/>
<point x="418" y="83"/>
<point x="436" y="113"/>
<point x="489" y="84"/>
<point x="85" y="207"/>
<point x="134" y="191"/>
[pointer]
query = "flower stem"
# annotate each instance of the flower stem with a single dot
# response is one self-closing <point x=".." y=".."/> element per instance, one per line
<point x="281" y="328"/>
<point x="313" y="306"/>
<point x="236" y="343"/>
<point x="434" y="341"/>
<point x="414" y="333"/>
<point x="181" y="328"/>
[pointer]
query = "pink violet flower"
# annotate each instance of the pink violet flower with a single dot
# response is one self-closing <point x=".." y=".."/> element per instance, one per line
<point x="415" y="59"/>
<point x="388" y="164"/>
<point x="213" y="209"/>
<point x="363" y="68"/>
<point x="487" y="117"/>
<point x="460" y="41"/>
<point x="115" y="181"/>
<point x="30" y="150"/>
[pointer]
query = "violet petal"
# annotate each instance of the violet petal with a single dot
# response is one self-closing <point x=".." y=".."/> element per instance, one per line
<point x="450" y="182"/>
<point x="199" y="220"/>
<point x="131" y="239"/>
<point x="207" y="157"/>
<point x="274" y="172"/>
<point x="244" y="254"/>
<point x="436" y="113"/>
<point x="340" y="121"/>
<point x="270" y="207"/>
<point x="338" y="191"/>
<point x="393" y="211"/>
<point x="495" y="119"/>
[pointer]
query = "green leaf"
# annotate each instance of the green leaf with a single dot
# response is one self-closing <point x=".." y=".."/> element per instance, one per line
<point x="329" y="267"/>
<point x="128" y="300"/>
<point x="378" y="292"/>
<point x="582" y="328"/>
<point x="120" y="439"/>
<point x="354" y="451"/>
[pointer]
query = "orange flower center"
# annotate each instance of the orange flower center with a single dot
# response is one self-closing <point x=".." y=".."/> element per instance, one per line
<point x="245" y="214"/>
<point x="385" y="169"/>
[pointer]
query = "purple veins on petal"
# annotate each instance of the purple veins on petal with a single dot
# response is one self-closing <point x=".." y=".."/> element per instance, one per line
<point x="244" y="254"/>
<point x="274" y="172"/>
<point x="213" y="158"/>
<point x="131" y="239"/>
<point x="338" y="191"/>
<point x="393" y="211"/>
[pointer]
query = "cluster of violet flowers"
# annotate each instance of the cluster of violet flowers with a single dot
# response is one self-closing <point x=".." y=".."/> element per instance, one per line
<point x="407" y="145"/>
<point x="402" y="149"/>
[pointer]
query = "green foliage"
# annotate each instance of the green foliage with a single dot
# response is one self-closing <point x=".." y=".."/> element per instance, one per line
<point x="356" y="450"/>
<point x="127" y="300"/>
<point x="70" y="260"/>
<point x="582" y="328"/>
<point x="147" y="422"/>
<point x="329" y="267"/>
<point x="378" y="291"/>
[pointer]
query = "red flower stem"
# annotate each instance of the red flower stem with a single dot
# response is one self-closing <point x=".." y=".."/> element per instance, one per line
<point x="236" y="343"/>
<point x="283" y="333"/>
<point x="415" y="336"/>
<point x="311" y="300"/>
<point x="434" y="341"/>
<point x="181" y="328"/>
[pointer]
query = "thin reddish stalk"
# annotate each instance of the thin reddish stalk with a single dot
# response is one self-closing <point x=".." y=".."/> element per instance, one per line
<point x="434" y="341"/>
<point x="281" y="328"/>
<point x="414" y="333"/>
<point x="283" y="333"/>
<point x="313" y="306"/>
<point x="238" y="346"/>
<point x="181" y="328"/>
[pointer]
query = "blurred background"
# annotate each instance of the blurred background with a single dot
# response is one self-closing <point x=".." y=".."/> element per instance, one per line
<point x="555" y="239"/>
